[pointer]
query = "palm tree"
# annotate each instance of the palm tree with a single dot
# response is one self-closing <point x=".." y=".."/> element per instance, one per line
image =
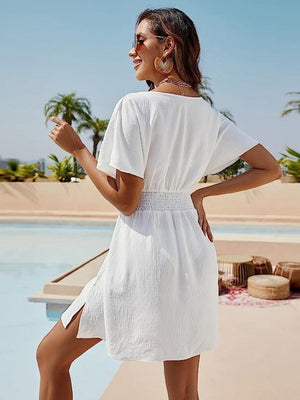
<point x="292" y="105"/>
<point x="204" y="88"/>
<point x="228" y="115"/>
<point x="70" y="108"/>
<point x="96" y="125"/>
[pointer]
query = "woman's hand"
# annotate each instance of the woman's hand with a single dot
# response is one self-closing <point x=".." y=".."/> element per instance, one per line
<point x="198" y="203"/>
<point x="65" y="136"/>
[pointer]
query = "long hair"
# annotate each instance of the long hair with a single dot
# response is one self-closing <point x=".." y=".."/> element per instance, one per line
<point x="186" y="53"/>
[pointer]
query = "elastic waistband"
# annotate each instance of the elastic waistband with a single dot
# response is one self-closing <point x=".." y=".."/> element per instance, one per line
<point x="165" y="201"/>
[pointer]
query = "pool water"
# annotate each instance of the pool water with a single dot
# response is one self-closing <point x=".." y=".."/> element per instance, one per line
<point x="251" y="231"/>
<point x="30" y="255"/>
<point x="255" y="228"/>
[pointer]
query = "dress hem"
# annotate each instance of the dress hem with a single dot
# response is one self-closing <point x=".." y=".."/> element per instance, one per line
<point x="160" y="359"/>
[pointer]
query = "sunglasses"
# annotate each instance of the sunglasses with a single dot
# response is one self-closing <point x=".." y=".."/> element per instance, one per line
<point x="136" y="44"/>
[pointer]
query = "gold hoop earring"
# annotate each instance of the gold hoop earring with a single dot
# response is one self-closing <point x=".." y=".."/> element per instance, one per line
<point x="163" y="67"/>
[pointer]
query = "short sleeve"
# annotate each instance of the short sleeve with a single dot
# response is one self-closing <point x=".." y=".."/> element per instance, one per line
<point x="231" y="143"/>
<point x="122" y="146"/>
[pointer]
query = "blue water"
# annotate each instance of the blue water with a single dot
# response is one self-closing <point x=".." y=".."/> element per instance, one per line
<point x="85" y="226"/>
<point x="31" y="255"/>
<point x="257" y="229"/>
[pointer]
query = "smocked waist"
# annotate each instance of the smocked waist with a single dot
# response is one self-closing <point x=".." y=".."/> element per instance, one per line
<point x="165" y="201"/>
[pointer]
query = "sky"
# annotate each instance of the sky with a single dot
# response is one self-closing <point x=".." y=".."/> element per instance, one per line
<point x="249" y="52"/>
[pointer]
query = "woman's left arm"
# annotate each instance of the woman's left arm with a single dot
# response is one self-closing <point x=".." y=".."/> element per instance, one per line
<point x="265" y="169"/>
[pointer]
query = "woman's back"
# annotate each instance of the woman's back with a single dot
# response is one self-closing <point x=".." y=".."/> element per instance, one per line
<point x="170" y="140"/>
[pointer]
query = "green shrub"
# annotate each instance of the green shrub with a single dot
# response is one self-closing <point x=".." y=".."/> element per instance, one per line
<point x="19" y="172"/>
<point x="292" y="165"/>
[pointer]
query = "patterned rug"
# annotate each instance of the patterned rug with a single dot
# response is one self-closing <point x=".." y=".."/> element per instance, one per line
<point x="241" y="297"/>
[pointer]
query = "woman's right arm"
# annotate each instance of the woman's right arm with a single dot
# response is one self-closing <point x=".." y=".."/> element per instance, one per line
<point x="265" y="169"/>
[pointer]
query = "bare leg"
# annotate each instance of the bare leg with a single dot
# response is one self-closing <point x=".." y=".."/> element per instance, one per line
<point x="55" y="354"/>
<point x="181" y="377"/>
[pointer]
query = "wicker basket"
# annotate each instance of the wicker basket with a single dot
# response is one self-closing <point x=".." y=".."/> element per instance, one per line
<point x="268" y="286"/>
<point x="290" y="270"/>
<point x="262" y="265"/>
<point x="235" y="269"/>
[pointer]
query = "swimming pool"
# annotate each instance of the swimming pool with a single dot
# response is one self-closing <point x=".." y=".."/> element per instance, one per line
<point x="30" y="255"/>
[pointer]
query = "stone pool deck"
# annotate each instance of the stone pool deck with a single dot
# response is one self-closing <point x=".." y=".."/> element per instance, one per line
<point x="257" y="359"/>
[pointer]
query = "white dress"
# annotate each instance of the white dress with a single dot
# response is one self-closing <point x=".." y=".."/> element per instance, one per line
<point x="155" y="297"/>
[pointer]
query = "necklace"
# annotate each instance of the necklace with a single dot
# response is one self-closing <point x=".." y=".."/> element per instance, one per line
<point x="181" y="84"/>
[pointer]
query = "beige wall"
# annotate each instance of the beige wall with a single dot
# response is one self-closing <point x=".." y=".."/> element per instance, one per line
<point x="16" y="198"/>
<point x="272" y="199"/>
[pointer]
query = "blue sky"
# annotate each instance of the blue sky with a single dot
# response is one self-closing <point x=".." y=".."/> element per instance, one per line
<point x="249" y="51"/>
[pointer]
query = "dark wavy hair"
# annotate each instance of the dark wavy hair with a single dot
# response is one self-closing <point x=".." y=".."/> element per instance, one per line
<point x="186" y="54"/>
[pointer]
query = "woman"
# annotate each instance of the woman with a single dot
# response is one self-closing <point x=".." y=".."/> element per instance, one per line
<point x="155" y="297"/>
